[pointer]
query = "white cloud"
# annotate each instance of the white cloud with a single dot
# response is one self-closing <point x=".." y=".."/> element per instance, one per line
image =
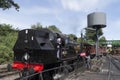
<point x="35" y="10"/>
<point x="15" y="24"/>
<point x="78" y="5"/>
<point x="70" y="18"/>
<point x="27" y="16"/>
<point x="112" y="30"/>
<point x="88" y="6"/>
<point x="85" y="5"/>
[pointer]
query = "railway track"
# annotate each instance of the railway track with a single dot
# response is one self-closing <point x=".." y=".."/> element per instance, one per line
<point x="114" y="68"/>
<point x="112" y="71"/>
<point x="7" y="75"/>
<point x="62" y="75"/>
<point x="14" y="74"/>
<point x="112" y="74"/>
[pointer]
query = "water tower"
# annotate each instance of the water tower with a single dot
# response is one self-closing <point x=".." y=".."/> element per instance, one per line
<point x="96" y="20"/>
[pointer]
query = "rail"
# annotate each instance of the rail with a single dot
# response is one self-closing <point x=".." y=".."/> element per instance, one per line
<point x="109" y="66"/>
<point x="113" y="62"/>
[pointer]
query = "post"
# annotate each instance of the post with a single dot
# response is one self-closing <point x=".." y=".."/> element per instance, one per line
<point x="81" y="42"/>
<point x="97" y="43"/>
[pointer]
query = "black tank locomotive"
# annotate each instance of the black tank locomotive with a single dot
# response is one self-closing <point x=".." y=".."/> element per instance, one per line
<point x="43" y="49"/>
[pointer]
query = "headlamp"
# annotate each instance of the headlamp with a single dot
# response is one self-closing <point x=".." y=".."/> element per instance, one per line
<point x="26" y="56"/>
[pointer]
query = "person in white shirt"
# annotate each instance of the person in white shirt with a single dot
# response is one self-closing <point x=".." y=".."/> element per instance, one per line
<point x="59" y="42"/>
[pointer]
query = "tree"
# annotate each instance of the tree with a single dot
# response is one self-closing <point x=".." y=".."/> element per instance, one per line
<point x="72" y="36"/>
<point x="6" y="4"/>
<point x="79" y="40"/>
<point x="91" y="35"/>
<point x="36" y="26"/>
<point x="5" y="29"/>
<point x="54" y="28"/>
<point x="8" y="36"/>
<point x="102" y="40"/>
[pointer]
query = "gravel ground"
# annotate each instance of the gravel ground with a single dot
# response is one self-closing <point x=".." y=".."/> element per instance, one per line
<point x="4" y="72"/>
<point x="93" y="74"/>
<point x="12" y="77"/>
<point x="98" y="75"/>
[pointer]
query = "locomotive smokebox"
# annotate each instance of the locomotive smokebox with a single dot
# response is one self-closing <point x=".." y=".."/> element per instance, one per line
<point x="96" y="20"/>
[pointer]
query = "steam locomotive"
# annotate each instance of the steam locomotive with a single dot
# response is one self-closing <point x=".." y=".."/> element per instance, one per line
<point x="39" y="50"/>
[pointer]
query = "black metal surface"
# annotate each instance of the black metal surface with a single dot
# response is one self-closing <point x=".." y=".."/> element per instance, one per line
<point x="41" y="46"/>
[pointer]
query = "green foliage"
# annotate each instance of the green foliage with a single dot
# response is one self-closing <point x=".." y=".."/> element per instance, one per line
<point x="72" y="36"/>
<point x="6" y="4"/>
<point x="5" y="29"/>
<point x="5" y="54"/>
<point x="36" y="26"/>
<point x="115" y="43"/>
<point x="8" y="36"/>
<point x="102" y="41"/>
<point x="54" y="28"/>
<point x="79" y="40"/>
<point x="91" y="35"/>
<point x="51" y="27"/>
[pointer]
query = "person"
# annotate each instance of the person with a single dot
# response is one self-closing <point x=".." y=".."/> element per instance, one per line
<point x="88" y="59"/>
<point x="109" y="50"/>
<point x="88" y="62"/>
<point x="59" y="42"/>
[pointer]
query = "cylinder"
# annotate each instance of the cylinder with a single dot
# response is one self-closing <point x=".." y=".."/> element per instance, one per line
<point x="96" y="20"/>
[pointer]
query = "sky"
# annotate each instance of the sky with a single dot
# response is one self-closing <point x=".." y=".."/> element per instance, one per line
<point x="70" y="16"/>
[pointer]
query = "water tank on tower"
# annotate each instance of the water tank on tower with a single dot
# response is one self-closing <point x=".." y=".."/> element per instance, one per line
<point x="96" y="20"/>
